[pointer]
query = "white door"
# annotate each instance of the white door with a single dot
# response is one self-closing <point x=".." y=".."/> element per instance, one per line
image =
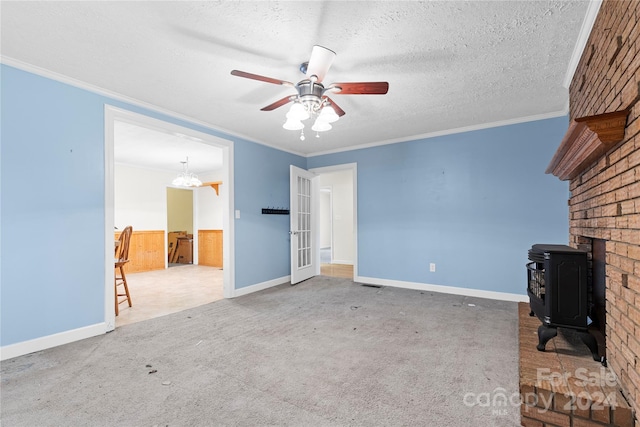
<point x="305" y="262"/>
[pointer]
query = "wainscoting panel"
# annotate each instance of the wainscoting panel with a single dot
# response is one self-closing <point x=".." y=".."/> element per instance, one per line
<point x="210" y="248"/>
<point x="146" y="251"/>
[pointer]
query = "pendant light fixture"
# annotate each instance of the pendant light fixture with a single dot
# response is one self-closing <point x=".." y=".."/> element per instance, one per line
<point x="186" y="178"/>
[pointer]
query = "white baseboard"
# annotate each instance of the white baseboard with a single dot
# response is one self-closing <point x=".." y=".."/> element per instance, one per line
<point x="260" y="286"/>
<point x="42" y="343"/>
<point x="339" y="261"/>
<point x="49" y="341"/>
<point x="502" y="296"/>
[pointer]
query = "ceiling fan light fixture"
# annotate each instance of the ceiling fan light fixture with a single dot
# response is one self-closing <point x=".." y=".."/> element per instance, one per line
<point x="293" y="124"/>
<point x="311" y="100"/>
<point x="328" y="115"/>
<point x="297" y="112"/>
<point x="321" y="126"/>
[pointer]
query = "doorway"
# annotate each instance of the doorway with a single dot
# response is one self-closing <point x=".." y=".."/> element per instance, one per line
<point x="338" y="220"/>
<point x="114" y="115"/>
<point x="180" y="230"/>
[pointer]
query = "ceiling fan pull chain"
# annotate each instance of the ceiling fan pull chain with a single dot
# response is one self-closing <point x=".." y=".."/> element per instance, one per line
<point x="302" y="135"/>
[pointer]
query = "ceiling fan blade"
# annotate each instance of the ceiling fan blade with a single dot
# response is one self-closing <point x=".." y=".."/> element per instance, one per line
<point x="260" y="78"/>
<point x="320" y="61"/>
<point x="339" y="111"/>
<point x="359" y="88"/>
<point x="279" y="103"/>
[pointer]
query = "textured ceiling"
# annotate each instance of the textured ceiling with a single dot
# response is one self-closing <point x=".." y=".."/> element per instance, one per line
<point x="449" y="64"/>
<point x="153" y="149"/>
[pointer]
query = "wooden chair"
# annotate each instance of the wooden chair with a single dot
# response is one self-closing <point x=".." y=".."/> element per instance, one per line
<point x="122" y="257"/>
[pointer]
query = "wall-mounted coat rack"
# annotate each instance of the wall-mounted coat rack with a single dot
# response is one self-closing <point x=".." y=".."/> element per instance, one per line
<point x="275" y="211"/>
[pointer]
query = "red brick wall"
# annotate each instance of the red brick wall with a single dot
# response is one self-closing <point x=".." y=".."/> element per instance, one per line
<point x="605" y="199"/>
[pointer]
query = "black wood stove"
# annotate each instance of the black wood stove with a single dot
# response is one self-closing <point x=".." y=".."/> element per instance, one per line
<point x="558" y="292"/>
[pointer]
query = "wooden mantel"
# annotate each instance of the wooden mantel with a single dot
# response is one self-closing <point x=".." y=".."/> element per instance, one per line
<point x="586" y="140"/>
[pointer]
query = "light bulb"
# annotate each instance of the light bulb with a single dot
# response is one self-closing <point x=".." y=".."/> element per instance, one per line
<point x="297" y="112"/>
<point x="328" y="114"/>
<point x="293" y="124"/>
<point x="320" y="126"/>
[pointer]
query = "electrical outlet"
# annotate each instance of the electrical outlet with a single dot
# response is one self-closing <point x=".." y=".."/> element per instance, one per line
<point x="432" y="267"/>
<point x="237" y="213"/>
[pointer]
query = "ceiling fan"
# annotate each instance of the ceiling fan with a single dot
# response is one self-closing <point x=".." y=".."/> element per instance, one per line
<point x="311" y="99"/>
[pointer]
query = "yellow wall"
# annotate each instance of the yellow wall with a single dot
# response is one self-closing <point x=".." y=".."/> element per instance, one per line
<point x="180" y="210"/>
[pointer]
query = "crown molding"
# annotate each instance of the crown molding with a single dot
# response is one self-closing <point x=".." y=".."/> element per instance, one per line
<point x="43" y="72"/>
<point x="544" y="116"/>
<point x="587" y="25"/>
<point x="15" y="63"/>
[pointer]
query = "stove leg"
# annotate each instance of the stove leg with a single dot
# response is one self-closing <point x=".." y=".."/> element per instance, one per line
<point x="592" y="343"/>
<point x="531" y="313"/>
<point x="545" y="333"/>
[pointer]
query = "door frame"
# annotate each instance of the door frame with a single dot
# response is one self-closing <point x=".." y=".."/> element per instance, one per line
<point x="112" y="114"/>
<point x="353" y="167"/>
<point x="298" y="275"/>
<point x="328" y="190"/>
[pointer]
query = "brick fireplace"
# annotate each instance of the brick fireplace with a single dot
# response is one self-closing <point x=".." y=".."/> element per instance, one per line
<point x="604" y="175"/>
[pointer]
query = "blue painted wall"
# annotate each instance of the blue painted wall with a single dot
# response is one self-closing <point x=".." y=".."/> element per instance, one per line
<point x="265" y="238"/>
<point x="52" y="213"/>
<point x="52" y="207"/>
<point x="473" y="203"/>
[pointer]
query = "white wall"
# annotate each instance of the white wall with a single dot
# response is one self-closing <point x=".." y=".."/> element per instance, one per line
<point x="341" y="184"/>
<point x="209" y="206"/>
<point x="140" y="198"/>
<point x="325" y="218"/>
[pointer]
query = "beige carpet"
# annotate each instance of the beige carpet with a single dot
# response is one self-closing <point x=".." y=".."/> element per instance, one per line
<point x="326" y="352"/>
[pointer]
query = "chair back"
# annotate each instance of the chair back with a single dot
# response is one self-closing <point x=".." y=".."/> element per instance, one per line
<point x="123" y="247"/>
